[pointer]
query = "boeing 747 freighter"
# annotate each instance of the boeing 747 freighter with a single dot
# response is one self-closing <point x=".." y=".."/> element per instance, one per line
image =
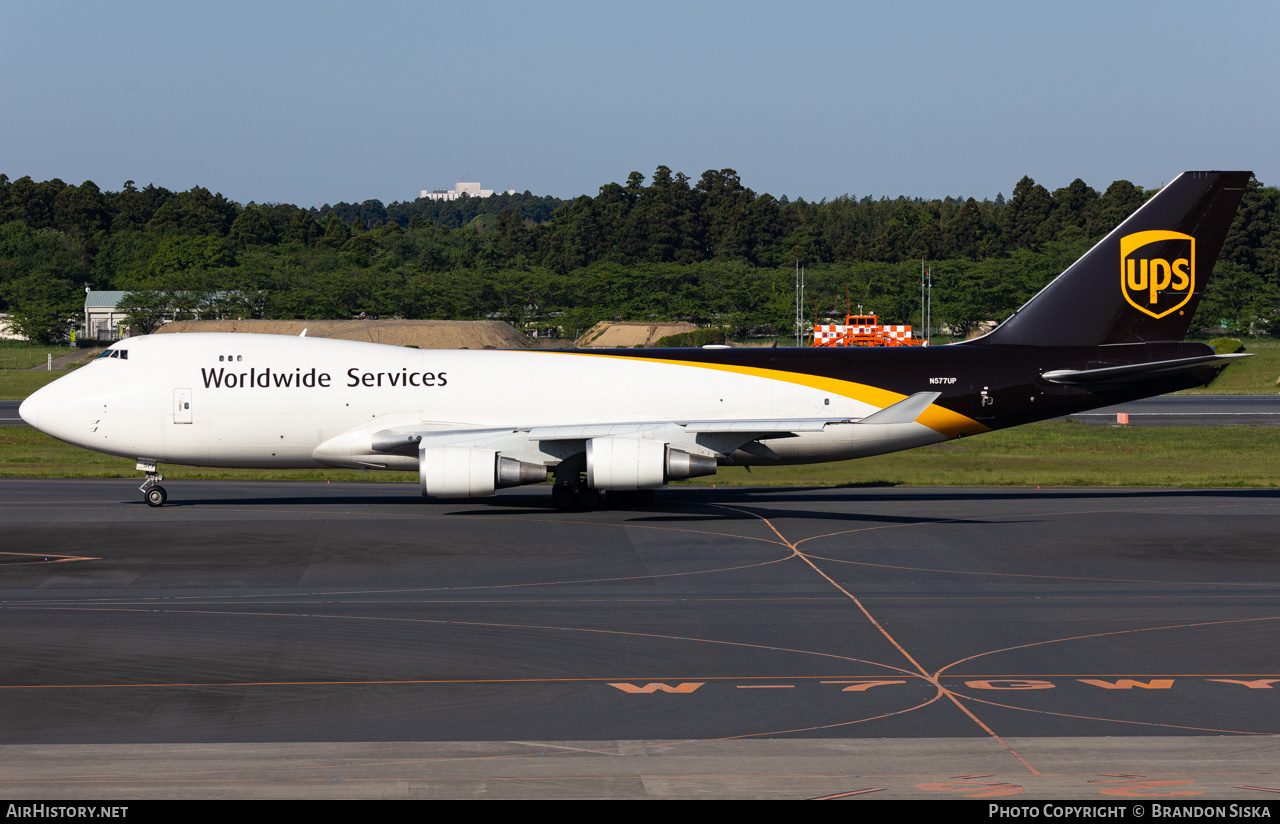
<point x="623" y="422"/>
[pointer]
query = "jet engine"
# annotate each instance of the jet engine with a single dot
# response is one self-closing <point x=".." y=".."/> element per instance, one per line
<point x="472" y="472"/>
<point x="620" y="464"/>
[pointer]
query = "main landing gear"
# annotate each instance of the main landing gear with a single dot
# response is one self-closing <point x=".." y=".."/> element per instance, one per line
<point x="571" y="496"/>
<point x="575" y="494"/>
<point x="152" y="492"/>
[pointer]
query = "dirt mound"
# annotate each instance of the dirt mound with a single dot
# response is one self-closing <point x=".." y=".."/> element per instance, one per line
<point x="424" y="334"/>
<point x="611" y="335"/>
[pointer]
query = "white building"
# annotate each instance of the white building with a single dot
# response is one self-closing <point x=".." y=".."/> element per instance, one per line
<point x="7" y="331"/>
<point x="102" y="320"/>
<point x="459" y="189"/>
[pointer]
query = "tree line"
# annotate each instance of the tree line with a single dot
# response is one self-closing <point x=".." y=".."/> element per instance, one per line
<point x="711" y="251"/>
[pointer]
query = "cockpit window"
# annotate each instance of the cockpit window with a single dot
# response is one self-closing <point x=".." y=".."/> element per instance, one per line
<point x="114" y="353"/>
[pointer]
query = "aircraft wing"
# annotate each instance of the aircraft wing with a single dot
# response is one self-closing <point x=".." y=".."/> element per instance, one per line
<point x="406" y="440"/>
<point x="713" y="436"/>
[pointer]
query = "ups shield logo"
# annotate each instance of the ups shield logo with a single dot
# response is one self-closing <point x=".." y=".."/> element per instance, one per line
<point x="1157" y="271"/>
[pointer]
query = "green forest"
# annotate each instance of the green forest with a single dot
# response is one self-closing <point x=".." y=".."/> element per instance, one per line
<point x="711" y="251"/>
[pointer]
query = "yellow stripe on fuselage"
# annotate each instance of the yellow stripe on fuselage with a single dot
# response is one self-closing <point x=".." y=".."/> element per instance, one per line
<point x="938" y="418"/>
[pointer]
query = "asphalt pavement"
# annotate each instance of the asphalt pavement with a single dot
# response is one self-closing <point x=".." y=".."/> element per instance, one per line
<point x="1190" y="410"/>
<point x="300" y="640"/>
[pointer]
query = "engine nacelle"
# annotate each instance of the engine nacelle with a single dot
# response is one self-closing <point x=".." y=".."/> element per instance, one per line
<point x="471" y="472"/>
<point x="623" y="464"/>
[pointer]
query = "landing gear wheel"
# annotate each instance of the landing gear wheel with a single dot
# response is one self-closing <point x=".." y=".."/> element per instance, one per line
<point x="562" y="497"/>
<point x="566" y="497"/>
<point x="156" y="496"/>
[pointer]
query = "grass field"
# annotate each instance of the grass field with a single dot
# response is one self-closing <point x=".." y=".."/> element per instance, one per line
<point x="17" y="359"/>
<point x="26" y="453"/>
<point x="1054" y="454"/>
<point x="1255" y="375"/>
<point x="18" y="354"/>
<point x="1043" y="454"/>
<point x="16" y="386"/>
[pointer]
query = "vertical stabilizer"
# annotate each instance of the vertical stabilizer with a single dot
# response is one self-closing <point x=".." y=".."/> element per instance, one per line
<point x="1143" y="281"/>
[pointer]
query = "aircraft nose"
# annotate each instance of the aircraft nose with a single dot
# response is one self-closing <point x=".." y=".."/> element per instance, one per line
<point x="28" y="411"/>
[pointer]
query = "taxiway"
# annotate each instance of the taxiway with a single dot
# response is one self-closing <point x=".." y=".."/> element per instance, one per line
<point x="312" y="640"/>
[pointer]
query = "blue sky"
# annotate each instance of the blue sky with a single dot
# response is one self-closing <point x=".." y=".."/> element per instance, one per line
<point x="312" y="102"/>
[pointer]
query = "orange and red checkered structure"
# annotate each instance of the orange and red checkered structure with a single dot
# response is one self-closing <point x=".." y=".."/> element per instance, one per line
<point x="863" y="330"/>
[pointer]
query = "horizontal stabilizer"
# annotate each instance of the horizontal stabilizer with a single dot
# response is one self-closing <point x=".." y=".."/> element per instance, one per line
<point x="905" y="410"/>
<point x="1136" y="371"/>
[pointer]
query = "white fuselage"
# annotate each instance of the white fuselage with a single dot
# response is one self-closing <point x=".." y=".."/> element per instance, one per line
<point x="292" y="402"/>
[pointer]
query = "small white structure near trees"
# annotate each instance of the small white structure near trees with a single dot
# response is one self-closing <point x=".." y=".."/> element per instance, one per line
<point x="459" y="189"/>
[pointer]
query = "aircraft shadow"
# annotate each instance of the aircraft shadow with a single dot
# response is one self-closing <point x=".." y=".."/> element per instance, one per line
<point x="699" y="505"/>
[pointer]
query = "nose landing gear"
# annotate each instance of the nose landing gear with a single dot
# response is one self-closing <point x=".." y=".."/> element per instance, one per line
<point x="152" y="492"/>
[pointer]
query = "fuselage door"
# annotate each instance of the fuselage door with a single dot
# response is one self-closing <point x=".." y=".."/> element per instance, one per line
<point x="182" y="406"/>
